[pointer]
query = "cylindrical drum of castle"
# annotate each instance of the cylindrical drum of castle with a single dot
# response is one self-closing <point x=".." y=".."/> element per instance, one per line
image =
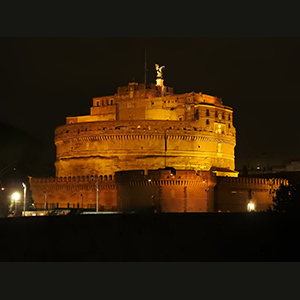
<point x="142" y="129"/>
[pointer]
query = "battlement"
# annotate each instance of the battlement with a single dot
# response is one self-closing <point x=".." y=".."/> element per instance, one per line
<point x="236" y="181"/>
<point x="166" y="177"/>
<point x="70" y="179"/>
<point x="113" y="127"/>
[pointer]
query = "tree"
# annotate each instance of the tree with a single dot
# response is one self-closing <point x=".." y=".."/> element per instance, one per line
<point x="287" y="198"/>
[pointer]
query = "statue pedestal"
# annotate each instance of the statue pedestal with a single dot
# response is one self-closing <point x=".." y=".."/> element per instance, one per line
<point x="160" y="82"/>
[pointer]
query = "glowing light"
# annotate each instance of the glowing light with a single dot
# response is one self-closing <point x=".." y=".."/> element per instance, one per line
<point x="250" y="207"/>
<point x="16" y="196"/>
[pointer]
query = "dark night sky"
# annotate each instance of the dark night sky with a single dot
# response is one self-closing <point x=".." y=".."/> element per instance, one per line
<point x="44" y="80"/>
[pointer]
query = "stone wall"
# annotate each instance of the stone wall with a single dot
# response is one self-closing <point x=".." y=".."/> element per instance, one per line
<point x="234" y="194"/>
<point x="74" y="192"/>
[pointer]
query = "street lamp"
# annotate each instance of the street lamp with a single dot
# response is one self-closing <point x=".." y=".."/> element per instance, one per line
<point x="250" y="206"/>
<point x="81" y="200"/>
<point x="97" y="190"/>
<point x="15" y="196"/>
<point x="45" y="193"/>
<point x="24" y="200"/>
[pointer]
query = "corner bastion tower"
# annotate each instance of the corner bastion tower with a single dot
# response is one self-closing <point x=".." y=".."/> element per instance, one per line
<point x="142" y="148"/>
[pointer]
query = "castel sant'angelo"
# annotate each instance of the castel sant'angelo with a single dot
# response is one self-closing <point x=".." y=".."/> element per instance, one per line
<point x="146" y="148"/>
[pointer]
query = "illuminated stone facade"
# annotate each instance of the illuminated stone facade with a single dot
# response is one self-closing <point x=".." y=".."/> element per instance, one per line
<point x="148" y="149"/>
<point x="151" y="128"/>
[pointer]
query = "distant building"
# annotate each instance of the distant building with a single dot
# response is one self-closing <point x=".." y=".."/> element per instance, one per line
<point x="146" y="148"/>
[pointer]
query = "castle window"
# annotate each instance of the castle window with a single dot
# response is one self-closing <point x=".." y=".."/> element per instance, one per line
<point x="207" y="112"/>
<point x="207" y="122"/>
<point x="216" y="114"/>
<point x="229" y="117"/>
<point x="229" y="126"/>
<point x="111" y="101"/>
<point x="223" y="116"/>
<point x="97" y="103"/>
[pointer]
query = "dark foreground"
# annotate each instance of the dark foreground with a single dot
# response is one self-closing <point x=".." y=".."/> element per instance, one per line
<point x="211" y="237"/>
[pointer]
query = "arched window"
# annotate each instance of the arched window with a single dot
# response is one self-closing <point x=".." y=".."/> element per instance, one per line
<point x="207" y="122"/>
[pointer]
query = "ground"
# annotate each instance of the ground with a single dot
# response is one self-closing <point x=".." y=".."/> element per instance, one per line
<point x="200" y="237"/>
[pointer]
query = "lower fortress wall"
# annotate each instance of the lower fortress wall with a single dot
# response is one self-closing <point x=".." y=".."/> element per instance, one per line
<point x="234" y="194"/>
<point x="166" y="190"/>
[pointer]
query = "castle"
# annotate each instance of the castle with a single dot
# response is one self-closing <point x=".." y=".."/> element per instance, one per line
<point x="146" y="148"/>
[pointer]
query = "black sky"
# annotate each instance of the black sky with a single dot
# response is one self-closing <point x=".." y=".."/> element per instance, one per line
<point x="44" y="80"/>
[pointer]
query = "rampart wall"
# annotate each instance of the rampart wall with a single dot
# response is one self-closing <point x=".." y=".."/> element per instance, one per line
<point x="156" y="190"/>
<point x="234" y="194"/>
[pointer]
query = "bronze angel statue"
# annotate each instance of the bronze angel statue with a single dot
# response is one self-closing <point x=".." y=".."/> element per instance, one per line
<point x="159" y="70"/>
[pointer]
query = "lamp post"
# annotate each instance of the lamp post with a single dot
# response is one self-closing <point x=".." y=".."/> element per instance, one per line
<point x="97" y="190"/>
<point x="81" y="200"/>
<point x="45" y="200"/>
<point x="24" y="199"/>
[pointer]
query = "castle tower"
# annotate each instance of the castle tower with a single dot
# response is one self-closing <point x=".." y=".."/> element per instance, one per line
<point x="142" y="129"/>
<point x="147" y="128"/>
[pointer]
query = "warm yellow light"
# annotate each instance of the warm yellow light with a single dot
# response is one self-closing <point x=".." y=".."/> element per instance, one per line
<point x="16" y="196"/>
<point x="250" y="206"/>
